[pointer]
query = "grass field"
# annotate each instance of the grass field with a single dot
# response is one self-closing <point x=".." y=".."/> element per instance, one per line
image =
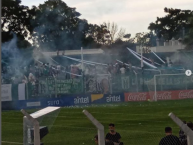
<point x="140" y="123"/>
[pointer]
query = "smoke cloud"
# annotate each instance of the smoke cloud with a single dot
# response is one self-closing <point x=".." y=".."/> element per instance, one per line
<point x="13" y="56"/>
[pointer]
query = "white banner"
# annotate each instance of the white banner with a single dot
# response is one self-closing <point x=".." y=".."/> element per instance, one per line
<point x="103" y="83"/>
<point x="6" y="92"/>
<point x="21" y="91"/>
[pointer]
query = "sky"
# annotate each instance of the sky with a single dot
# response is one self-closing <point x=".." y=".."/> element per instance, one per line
<point x="132" y="15"/>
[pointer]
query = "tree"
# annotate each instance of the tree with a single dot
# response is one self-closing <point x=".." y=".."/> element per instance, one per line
<point x="55" y="25"/>
<point x="114" y="33"/>
<point x="142" y="39"/>
<point x="145" y="40"/>
<point x="58" y="27"/>
<point x="188" y="39"/>
<point x="172" y="24"/>
<point x="16" y="19"/>
<point x="99" y="33"/>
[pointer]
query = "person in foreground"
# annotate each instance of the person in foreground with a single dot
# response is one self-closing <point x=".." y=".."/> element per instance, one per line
<point x="182" y="135"/>
<point x="106" y="142"/>
<point x="169" y="139"/>
<point x="113" y="136"/>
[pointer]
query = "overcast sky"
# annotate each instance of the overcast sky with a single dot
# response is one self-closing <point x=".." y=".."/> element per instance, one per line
<point x="133" y="15"/>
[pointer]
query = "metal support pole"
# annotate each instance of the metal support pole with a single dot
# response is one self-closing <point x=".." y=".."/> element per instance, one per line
<point x="99" y="126"/>
<point x="184" y="127"/>
<point x="36" y="127"/>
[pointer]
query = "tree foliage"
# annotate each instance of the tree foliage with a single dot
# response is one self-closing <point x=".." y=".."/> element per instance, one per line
<point x="58" y="27"/>
<point x="172" y="24"/>
<point x="53" y="26"/>
<point x="188" y="39"/>
<point x="16" y="19"/>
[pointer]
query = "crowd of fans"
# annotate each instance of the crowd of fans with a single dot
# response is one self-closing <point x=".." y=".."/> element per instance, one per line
<point x="32" y="73"/>
<point x="112" y="68"/>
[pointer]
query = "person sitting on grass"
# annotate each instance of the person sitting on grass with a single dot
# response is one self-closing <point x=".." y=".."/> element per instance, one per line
<point x="113" y="136"/>
<point x="169" y="139"/>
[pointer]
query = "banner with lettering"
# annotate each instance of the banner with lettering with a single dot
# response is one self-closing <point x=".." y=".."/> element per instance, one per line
<point x="6" y="92"/>
<point x="174" y="95"/>
<point x="136" y="97"/>
<point x="63" y="101"/>
<point x="53" y="85"/>
<point x="146" y="82"/>
<point x="107" y="98"/>
<point x="170" y="82"/>
<point x="160" y="95"/>
<point x="130" y="83"/>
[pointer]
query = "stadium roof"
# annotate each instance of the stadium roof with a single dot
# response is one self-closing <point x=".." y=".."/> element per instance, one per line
<point x="75" y="52"/>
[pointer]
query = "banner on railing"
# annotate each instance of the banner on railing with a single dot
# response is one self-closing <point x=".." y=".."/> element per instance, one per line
<point x="129" y="82"/>
<point x="87" y="99"/>
<point x="107" y="98"/>
<point x="6" y="92"/>
<point x="146" y="82"/>
<point x="53" y="85"/>
<point x="63" y="101"/>
<point x="21" y="92"/>
<point x="173" y="95"/>
<point x="136" y="97"/>
<point x="72" y="100"/>
<point x="97" y="84"/>
<point x="160" y="95"/>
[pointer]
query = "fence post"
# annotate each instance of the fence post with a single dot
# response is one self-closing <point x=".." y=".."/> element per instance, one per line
<point x="111" y="90"/>
<point x="82" y="80"/>
<point x="55" y="86"/>
<point x="136" y="82"/>
<point x="27" y="90"/>
<point x="155" y="87"/>
<point x="184" y="127"/>
<point x="99" y="126"/>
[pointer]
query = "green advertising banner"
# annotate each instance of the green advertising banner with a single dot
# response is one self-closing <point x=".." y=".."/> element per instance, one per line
<point x="53" y="85"/>
<point x="120" y="83"/>
<point x="145" y="82"/>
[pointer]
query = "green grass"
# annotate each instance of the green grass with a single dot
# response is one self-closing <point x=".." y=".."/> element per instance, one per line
<point x="139" y="123"/>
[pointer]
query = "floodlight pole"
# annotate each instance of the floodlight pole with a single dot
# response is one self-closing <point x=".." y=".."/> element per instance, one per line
<point x="99" y="126"/>
<point x="36" y="127"/>
<point x="184" y="127"/>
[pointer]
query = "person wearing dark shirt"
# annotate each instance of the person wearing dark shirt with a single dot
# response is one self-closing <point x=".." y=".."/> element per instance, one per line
<point x="169" y="139"/>
<point x="106" y="142"/>
<point x="113" y="135"/>
<point x="182" y="135"/>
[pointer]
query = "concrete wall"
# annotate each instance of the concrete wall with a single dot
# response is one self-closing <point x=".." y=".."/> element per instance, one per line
<point x="168" y="46"/>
